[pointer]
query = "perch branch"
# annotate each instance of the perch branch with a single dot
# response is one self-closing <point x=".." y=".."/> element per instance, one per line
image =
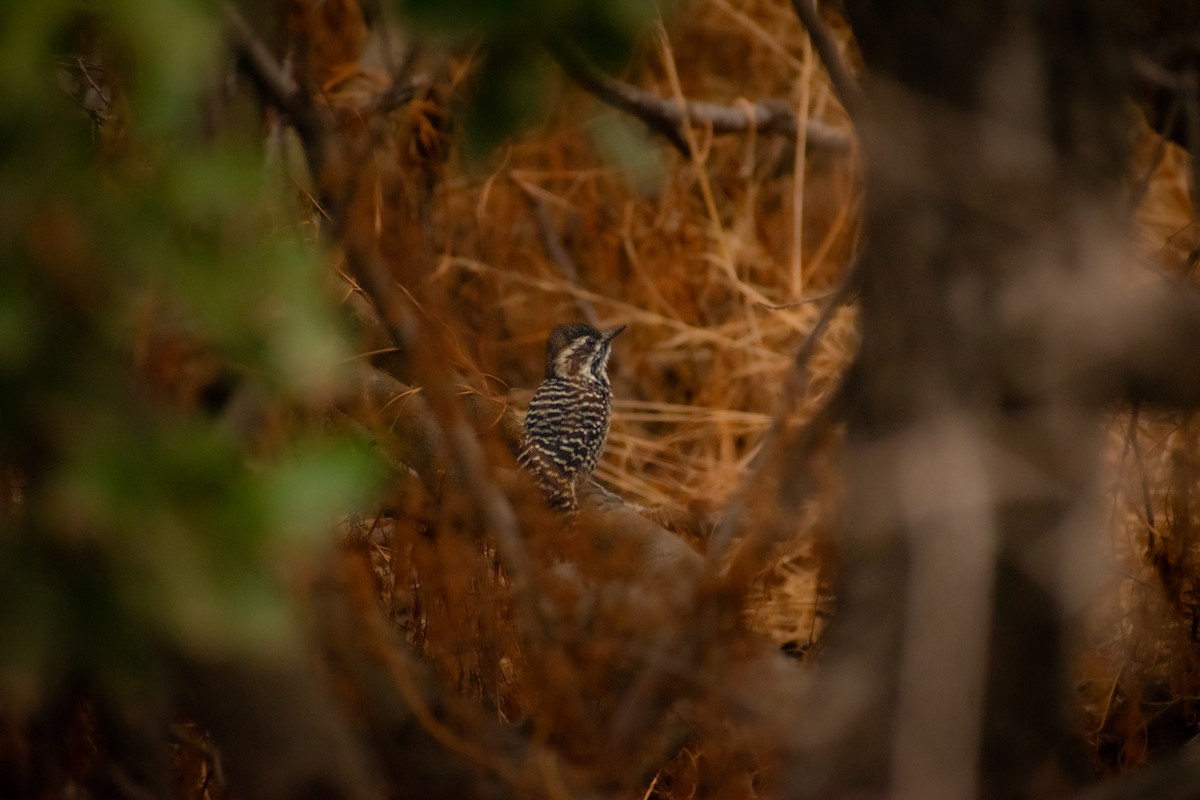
<point x="406" y="427"/>
<point x="667" y="116"/>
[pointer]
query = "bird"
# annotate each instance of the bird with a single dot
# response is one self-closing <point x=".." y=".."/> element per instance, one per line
<point x="569" y="415"/>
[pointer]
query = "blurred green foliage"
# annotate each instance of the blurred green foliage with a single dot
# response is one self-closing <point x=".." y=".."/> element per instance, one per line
<point x="131" y="530"/>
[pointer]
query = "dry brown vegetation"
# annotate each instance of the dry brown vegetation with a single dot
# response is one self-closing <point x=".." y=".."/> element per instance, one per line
<point x="721" y="264"/>
<point x="463" y="640"/>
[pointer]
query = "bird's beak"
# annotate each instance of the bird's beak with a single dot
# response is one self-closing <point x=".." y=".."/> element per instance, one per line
<point x="611" y="333"/>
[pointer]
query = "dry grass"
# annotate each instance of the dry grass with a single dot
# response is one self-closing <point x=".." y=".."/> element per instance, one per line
<point x="713" y="264"/>
<point x="719" y="263"/>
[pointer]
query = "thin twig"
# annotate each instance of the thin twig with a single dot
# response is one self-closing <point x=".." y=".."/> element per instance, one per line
<point x="265" y="69"/>
<point x="847" y="88"/>
<point x="92" y="82"/>
<point x="461" y="442"/>
<point x="559" y="254"/>
<point x="283" y="92"/>
<point x="803" y="301"/>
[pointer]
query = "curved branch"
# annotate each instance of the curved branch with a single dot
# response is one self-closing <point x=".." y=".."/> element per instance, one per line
<point x="666" y="116"/>
<point x="282" y="91"/>
<point x="269" y="75"/>
<point x="844" y="84"/>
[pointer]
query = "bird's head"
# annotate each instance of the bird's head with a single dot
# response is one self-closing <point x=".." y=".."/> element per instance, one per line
<point x="579" y="352"/>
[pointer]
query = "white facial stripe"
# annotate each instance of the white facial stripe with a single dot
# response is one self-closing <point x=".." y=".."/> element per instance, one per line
<point x="597" y="363"/>
<point x="562" y="362"/>
<point x="583" y="356"/>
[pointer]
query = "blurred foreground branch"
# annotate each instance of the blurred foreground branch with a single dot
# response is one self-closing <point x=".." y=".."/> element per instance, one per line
<point x="997" y="328"/>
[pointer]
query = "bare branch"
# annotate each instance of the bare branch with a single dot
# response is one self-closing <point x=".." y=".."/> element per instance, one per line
<point x="371" y="276"/>
<point x="462" y="445"/>
<point x="283" y="92"/>
<point x="557" y="250"/>
<point x="267" y="72"/>
<point x="667" y="116"/>
<point x="847" y="87"/>
<point x="407" y="428"/>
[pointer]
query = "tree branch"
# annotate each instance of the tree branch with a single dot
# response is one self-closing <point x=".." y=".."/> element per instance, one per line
<point x="284" y="93"/>
<point x="667" y="116"/>
<point x="270" y="76"/>
<point x="407" y="429"/>
<point x="844" y="84"/>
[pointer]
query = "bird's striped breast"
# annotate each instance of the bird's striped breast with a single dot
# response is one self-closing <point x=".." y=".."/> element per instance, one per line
<point x="565" y="431"/>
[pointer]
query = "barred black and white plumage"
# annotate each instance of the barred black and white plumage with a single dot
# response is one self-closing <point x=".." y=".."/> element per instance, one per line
<point x="567" y="423"/>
